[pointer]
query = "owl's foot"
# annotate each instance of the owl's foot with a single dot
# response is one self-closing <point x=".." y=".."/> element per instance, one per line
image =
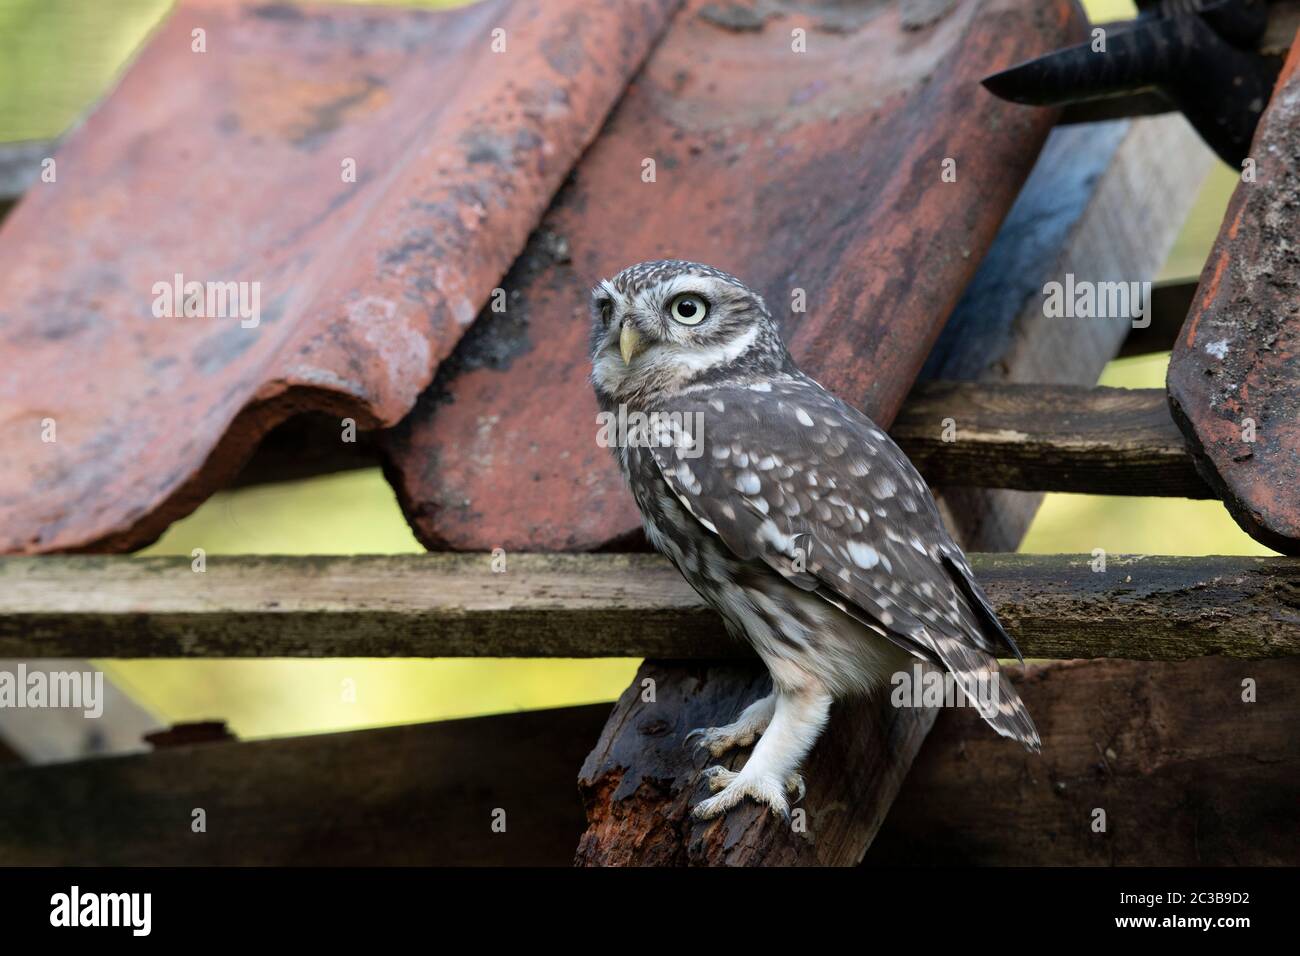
<point x="732" y="786"/>
<point x="718" y="740"/>
<point x="719" y="777"/>
<point x="742" y="732"/>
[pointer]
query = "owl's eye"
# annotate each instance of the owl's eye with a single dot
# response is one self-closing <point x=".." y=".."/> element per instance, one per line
<point x="688" y="309"/>
<point x="605" y="306"/>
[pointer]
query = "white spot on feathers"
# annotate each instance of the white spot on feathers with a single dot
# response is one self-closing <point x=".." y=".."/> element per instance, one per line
<point x="687" y="478"/>
<point x="863" y="555"/>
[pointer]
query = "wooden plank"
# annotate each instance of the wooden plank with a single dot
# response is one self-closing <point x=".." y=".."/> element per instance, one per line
<point x="415" y="795"/>
<point x="597" y="605"/>
<point x="1105" y="441"/>
<point x="1030" y="437"/>
<point x="1187" y="772"/>
<point x="1234" y="377"/>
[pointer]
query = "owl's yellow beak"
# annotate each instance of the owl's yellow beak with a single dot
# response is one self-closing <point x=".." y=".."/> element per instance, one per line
<point x="629" y="343"/>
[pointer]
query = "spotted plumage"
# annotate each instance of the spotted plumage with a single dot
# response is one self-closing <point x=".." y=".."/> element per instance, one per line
<point x="789" y="512"/>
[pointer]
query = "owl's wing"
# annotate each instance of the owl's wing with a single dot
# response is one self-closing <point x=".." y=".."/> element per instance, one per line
<point x="787" y="474"/>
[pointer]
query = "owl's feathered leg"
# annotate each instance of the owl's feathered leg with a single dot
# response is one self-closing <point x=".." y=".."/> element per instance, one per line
<point x="797" y="721"/>
<point x="741" y="732"/>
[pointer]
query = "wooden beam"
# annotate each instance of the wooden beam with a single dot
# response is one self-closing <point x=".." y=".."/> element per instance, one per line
<point x="596" y="605"/>
<point x="1188" y="772"/>
<point x="1105" y="441"/>
<point x="1029" y="437"/>
<point x="424" y="794"/>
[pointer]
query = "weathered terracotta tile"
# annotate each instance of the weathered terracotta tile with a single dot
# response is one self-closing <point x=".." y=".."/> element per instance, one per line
<point x="231" y="165"/>
<point x="818" y="171"/>
<point x="1234" y="377"/>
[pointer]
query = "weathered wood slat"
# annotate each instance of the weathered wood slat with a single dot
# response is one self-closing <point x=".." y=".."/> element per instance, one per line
<point x="1187" y="772"/>
<point x="1031" y="437"/>
<point x="600" y="605"/>
<point x="423" y="794"/>
<point x="1106" y="441"/>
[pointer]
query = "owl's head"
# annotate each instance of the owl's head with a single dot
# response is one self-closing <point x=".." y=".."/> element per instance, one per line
<point x="658" y="327"/>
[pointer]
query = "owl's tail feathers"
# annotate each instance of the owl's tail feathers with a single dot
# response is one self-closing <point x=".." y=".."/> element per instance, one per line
<point x="1007" y="714"/>
<point x="977" y="674"/>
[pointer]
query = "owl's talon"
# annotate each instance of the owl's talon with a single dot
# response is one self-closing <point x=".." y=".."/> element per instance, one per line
<point x="795" y="782"/>
<point x="719" y="778"/>
<point x="718" y="740"/>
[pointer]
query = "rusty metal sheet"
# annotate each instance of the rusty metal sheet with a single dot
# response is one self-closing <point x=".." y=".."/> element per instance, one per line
<point x="1234" y="376"/>
<point x="816" y="174"/>
<point x="226" y="156"/>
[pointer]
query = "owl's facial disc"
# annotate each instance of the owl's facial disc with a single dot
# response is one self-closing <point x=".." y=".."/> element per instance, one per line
<point x="666" y="325"/>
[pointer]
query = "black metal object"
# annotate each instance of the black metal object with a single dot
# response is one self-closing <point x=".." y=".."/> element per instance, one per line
<point x="1205" y="57"/>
